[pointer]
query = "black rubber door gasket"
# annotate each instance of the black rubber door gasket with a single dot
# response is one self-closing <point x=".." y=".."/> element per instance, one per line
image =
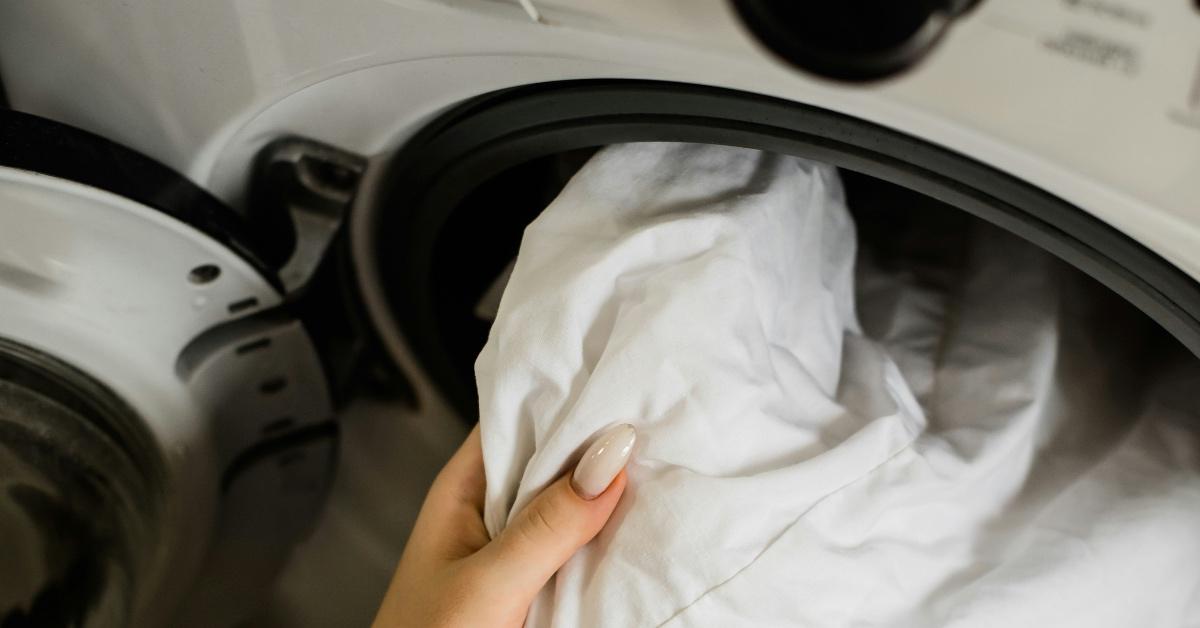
<point x="36" y="144"/>
<point x="471" y="143"/>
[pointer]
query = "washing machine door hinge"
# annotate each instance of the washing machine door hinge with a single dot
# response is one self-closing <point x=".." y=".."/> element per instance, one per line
<point x="301" y="193"/>
<point x="306" y="188"/>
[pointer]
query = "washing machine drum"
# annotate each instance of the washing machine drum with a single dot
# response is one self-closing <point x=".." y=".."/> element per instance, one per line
<point x="158" y="413"/>
<point x="463" y="190"/>
<point x="81" y="512"/>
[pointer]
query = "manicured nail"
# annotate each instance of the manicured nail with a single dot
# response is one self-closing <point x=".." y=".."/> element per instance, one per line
<point x="603" y="461"/>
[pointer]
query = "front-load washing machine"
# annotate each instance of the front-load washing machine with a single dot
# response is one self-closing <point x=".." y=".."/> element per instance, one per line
<point x="154" y="301"/>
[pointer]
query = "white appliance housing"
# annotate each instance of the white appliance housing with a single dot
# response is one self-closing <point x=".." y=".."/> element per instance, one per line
<point x="1095" y="103"/>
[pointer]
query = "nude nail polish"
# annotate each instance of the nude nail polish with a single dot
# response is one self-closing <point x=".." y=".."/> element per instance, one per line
<point x="603" y="460"/>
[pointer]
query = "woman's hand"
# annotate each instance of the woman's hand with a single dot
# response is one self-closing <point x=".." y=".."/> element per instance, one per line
<point x="453" y="574"/>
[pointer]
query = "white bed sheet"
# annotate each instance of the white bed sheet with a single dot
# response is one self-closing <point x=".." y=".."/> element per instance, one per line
<point x="993" y="450"/>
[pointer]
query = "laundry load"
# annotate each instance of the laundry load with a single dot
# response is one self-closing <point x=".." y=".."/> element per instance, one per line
<point x="976" y="437"/>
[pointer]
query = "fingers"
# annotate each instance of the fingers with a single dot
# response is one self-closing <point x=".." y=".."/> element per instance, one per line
<point x="461" y="481"/>
<point x="548" y="532"/>
<point x="607" y="455"/>
<point x="449" y="568"/>
<point x="563" y="517"/>
<point x="450" y="525"/>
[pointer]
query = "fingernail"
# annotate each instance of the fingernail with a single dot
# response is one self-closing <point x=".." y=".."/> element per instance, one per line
<point x="603" y="461"/>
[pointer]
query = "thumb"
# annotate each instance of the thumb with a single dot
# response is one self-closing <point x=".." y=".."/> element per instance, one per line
<point x="564" y="516"/>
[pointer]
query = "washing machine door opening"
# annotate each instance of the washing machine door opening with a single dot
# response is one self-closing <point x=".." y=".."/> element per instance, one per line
<point x="461" y="192"/>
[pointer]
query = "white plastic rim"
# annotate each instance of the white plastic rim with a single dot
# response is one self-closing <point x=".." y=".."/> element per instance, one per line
<point x="109" y="286"/>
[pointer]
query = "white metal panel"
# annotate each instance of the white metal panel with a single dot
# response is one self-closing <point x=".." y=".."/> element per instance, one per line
<point x="1097" y="101"/>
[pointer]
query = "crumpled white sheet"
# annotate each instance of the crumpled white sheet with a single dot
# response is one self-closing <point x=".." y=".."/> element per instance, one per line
<point x="995" y="456"/>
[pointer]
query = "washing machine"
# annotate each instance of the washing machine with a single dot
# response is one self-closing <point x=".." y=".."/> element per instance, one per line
<point x="210" y="212"/>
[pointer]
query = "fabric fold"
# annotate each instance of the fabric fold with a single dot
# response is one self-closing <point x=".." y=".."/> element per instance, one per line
<point x="990" y="439"/>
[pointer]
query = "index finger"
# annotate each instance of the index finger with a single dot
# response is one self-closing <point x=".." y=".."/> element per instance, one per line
<point x="451" y="520"/>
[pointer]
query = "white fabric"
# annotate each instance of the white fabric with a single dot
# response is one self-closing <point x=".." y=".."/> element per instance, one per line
<point x="988" y="460"/>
